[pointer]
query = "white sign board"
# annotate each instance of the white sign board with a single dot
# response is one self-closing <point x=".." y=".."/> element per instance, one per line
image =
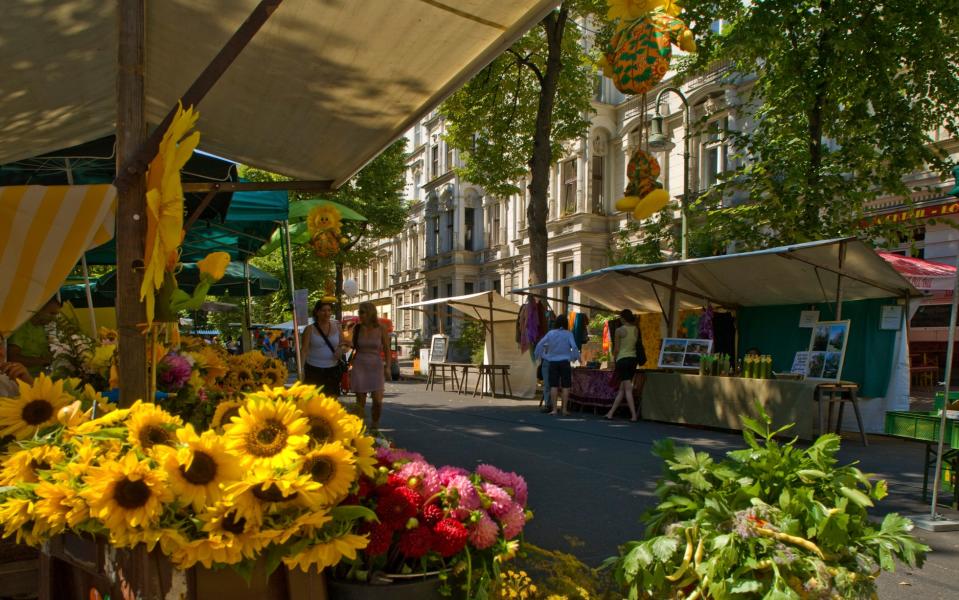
<point x="891" y="318"/>
<point x="808" y="319"/>
<point x="301" y="300"/>
<point x="439" y="348"/>
<point x="800" y="363"/>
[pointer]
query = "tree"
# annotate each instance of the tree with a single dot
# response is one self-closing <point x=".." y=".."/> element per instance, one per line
<point x="846" y="94"/>
<point x="513" y="117"/>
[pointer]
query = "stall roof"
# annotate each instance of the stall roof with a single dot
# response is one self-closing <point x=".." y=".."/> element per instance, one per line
<point x="476" y="306"/>
<point x="797" y="274"/>
<point x="924" y="274"/>
<point x="320" y="90"/>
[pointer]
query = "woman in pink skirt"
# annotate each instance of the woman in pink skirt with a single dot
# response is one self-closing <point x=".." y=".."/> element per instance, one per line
<point x="371" y="365"/>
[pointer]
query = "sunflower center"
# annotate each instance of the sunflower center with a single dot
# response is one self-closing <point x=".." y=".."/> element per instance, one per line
<point x="320" y="468"/>
<point x="36" y="412"/>
<point x="202" y="470"/>
<point x="268" y="439"/>
<point x="320" y="430"/>
<point x="39" y="465"/>
<point x="154" y="435"/>
<point x="229" y="414"/>
<point x="272" y="493"/>
<point x="131" y="494"/>
<point x="233" y="524"/>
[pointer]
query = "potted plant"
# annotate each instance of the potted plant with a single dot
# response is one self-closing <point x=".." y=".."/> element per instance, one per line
<point x="772" y="521"/>
<point x="439" y="531"/>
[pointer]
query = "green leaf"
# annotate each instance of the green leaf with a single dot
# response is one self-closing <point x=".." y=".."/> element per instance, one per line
<point x="745" y="586"/>
<point x="880" y="490"/>
<point x="664" y="547"/>
<point x="352" y="512"/>
<point x="856" y="496"/>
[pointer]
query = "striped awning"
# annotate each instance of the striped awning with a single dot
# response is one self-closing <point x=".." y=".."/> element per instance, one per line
<point x="43" y="232"/>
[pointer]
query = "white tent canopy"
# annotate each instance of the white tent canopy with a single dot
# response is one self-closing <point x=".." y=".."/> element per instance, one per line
<point x="498" y="315"/>
<point x="797" y="274"/>
<point x="320" y="90"/>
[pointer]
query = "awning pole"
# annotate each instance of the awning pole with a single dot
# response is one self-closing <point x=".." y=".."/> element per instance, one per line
<point x="86" y="288"/>
<point x="946" y="385"/>
<point x="671" y="319"/>
<point x="492" y="336"/>
<point x="247" y="344"/>
<point x="288" y="250"/>
<point x="842" y="259"/>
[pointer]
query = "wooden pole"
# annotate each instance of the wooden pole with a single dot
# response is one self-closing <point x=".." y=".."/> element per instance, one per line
<point x="131" y="200"/>
<point x="672" y="318"/>
<point x="492" y="335"/>
<point x="842" y="259"/>
<point x="288" y="252"/>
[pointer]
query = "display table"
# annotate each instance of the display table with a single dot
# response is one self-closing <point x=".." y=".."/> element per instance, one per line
<point x="719" y="401"/>
<point x="593" y="387"/>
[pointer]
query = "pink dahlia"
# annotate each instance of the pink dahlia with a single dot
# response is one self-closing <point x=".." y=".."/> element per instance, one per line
<point x="450" y="537"/>
<point x="462" y="496"/>
<point x="416" y="542"/>
<point x="509" y="481"/>
<point x="173" y="372"/>
<point x="513" y="521"/>
<point x="397" y="505"/>
<point x="484" y="532"/>
<point x="500" y="501"/>
<point x="428" y="483"/>
<point x="393" y="455"/>
<point x="446" y="473"/>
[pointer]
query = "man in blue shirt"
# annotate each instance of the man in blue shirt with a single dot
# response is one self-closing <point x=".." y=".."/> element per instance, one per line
<point x="559" y="348"/>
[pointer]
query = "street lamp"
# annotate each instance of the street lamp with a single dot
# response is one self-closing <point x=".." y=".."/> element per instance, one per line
<point x="659" y="142"/>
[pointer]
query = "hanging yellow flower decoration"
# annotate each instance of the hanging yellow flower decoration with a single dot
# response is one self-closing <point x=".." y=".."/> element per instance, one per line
<point x="165" y="203"/>
<point x="325" y="223"/>
<point x="213" y="265"/>
<point x="630" y="10"/>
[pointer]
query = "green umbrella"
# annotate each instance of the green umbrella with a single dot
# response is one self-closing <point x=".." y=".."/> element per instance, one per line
<point x="233" y="282"/>
<point x="299" y="230"/>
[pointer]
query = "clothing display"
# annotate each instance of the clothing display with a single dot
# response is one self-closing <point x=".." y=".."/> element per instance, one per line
<point x="532" y="323"/>
<point x="706" y="324"/>
<point x="580" y="328"/>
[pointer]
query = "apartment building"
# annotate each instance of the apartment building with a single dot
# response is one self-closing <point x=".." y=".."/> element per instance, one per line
<point x="461" y="240"/>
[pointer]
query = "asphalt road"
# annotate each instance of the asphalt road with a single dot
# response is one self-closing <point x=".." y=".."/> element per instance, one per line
<point x="590" y="479"/>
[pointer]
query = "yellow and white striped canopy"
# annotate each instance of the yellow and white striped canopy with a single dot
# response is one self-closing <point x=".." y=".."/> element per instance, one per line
<point x="43" y="232"/>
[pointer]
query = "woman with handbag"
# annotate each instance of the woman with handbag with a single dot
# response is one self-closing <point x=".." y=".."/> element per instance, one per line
<point x="322" y="351"/>
<point x="371" y="362"/>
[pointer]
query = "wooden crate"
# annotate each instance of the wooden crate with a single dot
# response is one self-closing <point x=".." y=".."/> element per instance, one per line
<point x="71" y="566"/>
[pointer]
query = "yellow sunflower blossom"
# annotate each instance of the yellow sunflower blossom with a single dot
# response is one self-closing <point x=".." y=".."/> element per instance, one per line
<point x="165" y="203"/>
<point x="35" y="408"/>
<point x="15" y="515"/>
<point x="150" y="426"/>
<point x="328" y="553"/>
<point x="126" y="493"/>
<point x="58" y="507"/>
<point x="230" y="539"/>
<point x="224" y="413"/>
<point x="265" y="491"/>
<point x="306" y="525"/>
<point x="24" y="466"/>
<point x="267" y="433"/>
<point x="363" y="445"/>
<point x="210" y="362"/>
<point x="329" y="421"/>
<point x="332" y="466"/>
<point x="199" y="468"/>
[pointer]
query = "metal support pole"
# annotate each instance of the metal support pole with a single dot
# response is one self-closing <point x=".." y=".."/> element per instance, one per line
<point x="684" y="245"/>
<point x="296" y="323"/>
<point x="86" y="271"/>
<point x="247" y="342"/>
<point x="492" y="336"/>
<point x="842" y="260"/>
<point x="946" y="385"/>
<point x="673" y="305"/>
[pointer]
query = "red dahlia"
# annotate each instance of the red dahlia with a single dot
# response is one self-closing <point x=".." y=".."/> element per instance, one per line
<point x="381" y="536"/>
<point x="416" y="542"/>
<point x="397" y="506"/>
<point x="450" y="537"/>
<point x="432" y="514"/>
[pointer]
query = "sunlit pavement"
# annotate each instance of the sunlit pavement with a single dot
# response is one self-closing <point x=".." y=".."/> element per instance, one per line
<point x="590" y="479"/>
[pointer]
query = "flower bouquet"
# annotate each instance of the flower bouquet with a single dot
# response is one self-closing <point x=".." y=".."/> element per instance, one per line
<point x="448" y="522"/>
<point x="270" y="486"/>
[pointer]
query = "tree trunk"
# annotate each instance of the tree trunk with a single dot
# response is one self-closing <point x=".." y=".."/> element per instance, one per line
<point x="541" y="161"/>
<point x="338" y="283"/>
<point x="814" y="197"/>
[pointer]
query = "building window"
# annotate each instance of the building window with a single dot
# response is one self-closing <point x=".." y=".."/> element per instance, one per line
<point x="449" y="157"/>
<point x="714" y="152"/>
<point x="386" y="274"/>
<point x="497" y="286"/>
<point x="436" y="234"/>
<point x="565" y="271"/>
<point x="469" y="218"/>
<point x="717" y="26"/>
<point x="417" y="185"/>
<point x="450" y="216"/>
<point x="912" y="243"/>
<point x="568" y="174"/>
<point x="435" y="161"/>
<point x="375" y="278"/>
<point x="468" y="287"/>
<point x="597" y="197"/>
<point x="495" y="225"/>
<point x="415" y="314"/>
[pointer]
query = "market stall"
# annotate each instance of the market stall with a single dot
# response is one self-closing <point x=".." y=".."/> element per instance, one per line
<point x="780" y="301"/>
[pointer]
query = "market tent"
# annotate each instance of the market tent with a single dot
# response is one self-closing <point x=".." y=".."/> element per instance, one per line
<point x="925" y="275"/>
<point x="798" y="274"/>
<point x="288" y="325"/>
<point x="233" y="282"/>
<point x="319" y="91"/>
<point x="498" y="314"/>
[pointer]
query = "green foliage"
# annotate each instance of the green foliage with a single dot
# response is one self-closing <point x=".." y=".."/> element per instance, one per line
<point x="769" y="521"/>
<point x="845" y="99"/>
<point x="472" y="339"/>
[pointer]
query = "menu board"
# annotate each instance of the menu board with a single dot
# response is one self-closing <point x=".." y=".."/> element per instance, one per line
<point x="439" y="348"/>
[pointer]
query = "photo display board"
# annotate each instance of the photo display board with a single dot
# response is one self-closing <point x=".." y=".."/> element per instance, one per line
<point x="679" y="353"/>
<point x="827" y="350"/>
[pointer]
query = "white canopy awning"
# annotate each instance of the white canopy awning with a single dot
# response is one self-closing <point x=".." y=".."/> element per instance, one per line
<point x="320" y="90"/>
<point x="479" y="306"/>
<point x="798" y="274"/>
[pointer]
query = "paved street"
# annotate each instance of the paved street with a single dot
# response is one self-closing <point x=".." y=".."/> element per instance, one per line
<point x="590" y="479"/>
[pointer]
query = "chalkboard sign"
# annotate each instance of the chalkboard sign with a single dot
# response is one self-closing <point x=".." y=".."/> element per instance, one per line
<point x="439" y="347"/>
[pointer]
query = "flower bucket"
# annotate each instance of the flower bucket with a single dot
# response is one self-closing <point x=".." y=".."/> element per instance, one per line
<point x="396" y="587"/>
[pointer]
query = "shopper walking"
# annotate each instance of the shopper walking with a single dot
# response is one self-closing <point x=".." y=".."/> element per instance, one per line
<point x="322" y="349"/>
<point x="559" y="348"/>
<point x="371" y="362"/>
<point x="625" y="342"/>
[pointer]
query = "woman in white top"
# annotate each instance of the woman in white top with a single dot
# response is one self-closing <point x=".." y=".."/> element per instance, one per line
<point x="322" y="348"/>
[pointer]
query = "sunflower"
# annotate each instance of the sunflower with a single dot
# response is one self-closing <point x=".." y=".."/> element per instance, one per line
<point x="267" y="433"/>
<point x="17" y="517"/>
<point x="274" y="374"/>
<point x="265" y="491"/>
<point x="36" y="407"/>
<point x="230" y="538"/>
<point x="245" y="379"/>
<point x="198" y="468"/>
<point x="332" y="466"/>
<point x="306" y="525"/>
<point x="109" y="420"/>
<point x="224" y="413"/>
<point x="150" y="425"/>
<point x="328" y="553"/>
<point x="126" y="493"/>
<point x="327" y="418"/>
<point x="364" y="447"/>
<point x="210" y="363"/>
<point x="58" y="507"/>
<point x="24" y="466"/>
